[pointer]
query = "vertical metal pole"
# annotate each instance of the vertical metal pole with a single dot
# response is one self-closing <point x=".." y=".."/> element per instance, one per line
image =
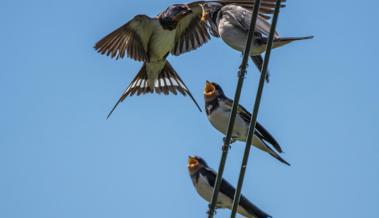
<point x="241" y="77"/>
<point x="253" y="120"/>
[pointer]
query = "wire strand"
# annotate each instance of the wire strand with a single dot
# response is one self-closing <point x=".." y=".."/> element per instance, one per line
<point x="253" y="120"/>
<point x="241" y="77"/>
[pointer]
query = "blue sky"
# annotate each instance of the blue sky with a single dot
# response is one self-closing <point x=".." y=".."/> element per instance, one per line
<point x="60" y="157"/>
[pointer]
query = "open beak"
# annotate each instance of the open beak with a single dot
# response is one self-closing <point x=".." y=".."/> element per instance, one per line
<point x="193" y="163"/>
<point x="209" y="89"/>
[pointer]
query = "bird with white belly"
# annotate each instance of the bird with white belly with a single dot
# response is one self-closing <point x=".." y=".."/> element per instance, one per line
<point x="219" y="107"/>
<point x="232" y="23"/>
<point x="203" y="178"/>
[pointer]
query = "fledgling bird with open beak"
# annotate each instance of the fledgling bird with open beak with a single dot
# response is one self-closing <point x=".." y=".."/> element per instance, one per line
<point x="203" y="178"/>
<point x="219" y="107"/>
<point x="232" y="23"/>
<point x="178" y="29"/>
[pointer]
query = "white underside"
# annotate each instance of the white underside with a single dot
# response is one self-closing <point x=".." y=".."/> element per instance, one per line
<point x="220" y="119"/>
<point x="236" y="38"/>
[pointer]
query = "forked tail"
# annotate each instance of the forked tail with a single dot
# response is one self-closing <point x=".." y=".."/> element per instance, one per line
<point x="266" y="148"/>
<point x="168" y="82"/>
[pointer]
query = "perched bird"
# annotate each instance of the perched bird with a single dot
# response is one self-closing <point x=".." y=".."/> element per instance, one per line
<point x="232" y="23"/>
<point x="178" y="29"/>
<point x="218" y="108"/>
<point x="203" y="178"/>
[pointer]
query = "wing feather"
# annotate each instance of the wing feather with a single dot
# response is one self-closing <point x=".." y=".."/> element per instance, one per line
<point x="191" y="32"/>
<point x="131" y="39"/>
<point x="243" y="19"/>
<point x="260" y="131"/>
<point x="265" y="10"/>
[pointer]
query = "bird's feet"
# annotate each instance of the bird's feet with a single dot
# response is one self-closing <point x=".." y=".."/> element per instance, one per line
<point x="268" y="77"/>
<point x="232" y="140"/>
<point x="242" y="72"/>
<point x="209" y="211"/>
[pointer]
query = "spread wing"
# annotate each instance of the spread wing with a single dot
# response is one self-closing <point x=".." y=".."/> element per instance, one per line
<point x="131" y="39"/>
<point x="192" y="31"/>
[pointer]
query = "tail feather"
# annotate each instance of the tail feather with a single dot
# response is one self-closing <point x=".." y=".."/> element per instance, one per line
<point x="266" y="148"/>
<point x="277" y="156"/>
<point x="284" y="41"/>
<point x="178" y="83"/>
<point x="168" y="82"/>
<point x="258" y="61"/>
<point x="291" y="39"/>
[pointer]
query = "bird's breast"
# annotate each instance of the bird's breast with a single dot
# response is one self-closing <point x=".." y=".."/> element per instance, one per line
<point x="236" y="38"/>
<point x="219" y="119"/>
<point x="153" y="69"/>
<point x="206" y="191"/>
<point x="161" y="43"/>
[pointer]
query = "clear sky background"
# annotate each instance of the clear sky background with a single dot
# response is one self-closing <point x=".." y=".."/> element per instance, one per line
<point x="60" y="157"/>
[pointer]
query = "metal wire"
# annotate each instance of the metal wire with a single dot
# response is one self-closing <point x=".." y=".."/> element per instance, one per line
<point x="241" y="77"/>
<point x="253" y="120"/>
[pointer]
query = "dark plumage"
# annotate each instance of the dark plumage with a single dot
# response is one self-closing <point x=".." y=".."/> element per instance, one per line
<point x="203" y="178"/>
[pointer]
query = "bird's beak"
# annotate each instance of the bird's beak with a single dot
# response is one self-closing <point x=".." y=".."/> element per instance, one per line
<point x="209" y="89"/>
<point x="193" y="163"/>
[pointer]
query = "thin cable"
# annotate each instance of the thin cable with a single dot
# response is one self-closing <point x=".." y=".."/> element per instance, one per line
<point x="241" y="77"/>
<point x="253" y="120"/>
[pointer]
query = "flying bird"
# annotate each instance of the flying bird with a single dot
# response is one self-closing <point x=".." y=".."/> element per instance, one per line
<point x="219" y="107"/>
<point x="203" y="178"/>
<point x="232" y="23"/>
<point x="178" y="29"/>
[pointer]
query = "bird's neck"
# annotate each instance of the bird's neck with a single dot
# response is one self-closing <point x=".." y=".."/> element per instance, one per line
<point x="168" y="23"/>
<point x="211" y="105"/>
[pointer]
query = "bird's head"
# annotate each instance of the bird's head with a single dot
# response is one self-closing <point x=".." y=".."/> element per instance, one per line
<point x="211" y="11"/>
<point x="212" y="91"/>
<point x="195" y="163"/>
<point x="170" y="17"/>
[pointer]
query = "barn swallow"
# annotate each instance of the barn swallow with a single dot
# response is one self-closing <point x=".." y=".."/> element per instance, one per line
<point x="151" y="40"/>
<point x="218" y="108"/>
<point x="178" y="29"/>
<point x="203" y="178"/>
<point x="232" y="23"/>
